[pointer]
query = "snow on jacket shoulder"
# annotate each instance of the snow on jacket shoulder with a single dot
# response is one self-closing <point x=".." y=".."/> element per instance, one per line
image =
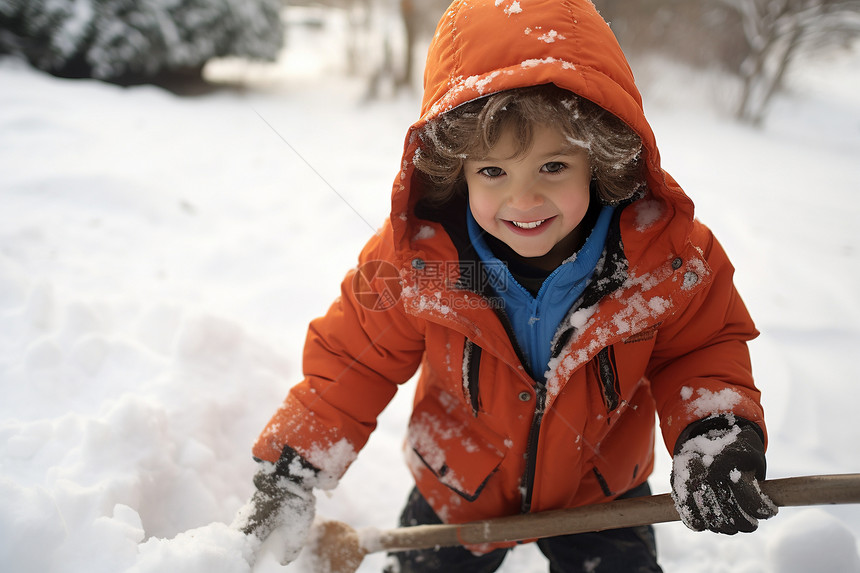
<point x="661" y="327"/>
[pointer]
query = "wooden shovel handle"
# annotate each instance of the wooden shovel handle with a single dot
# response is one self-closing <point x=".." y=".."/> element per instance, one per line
<point x="796" y="491"/>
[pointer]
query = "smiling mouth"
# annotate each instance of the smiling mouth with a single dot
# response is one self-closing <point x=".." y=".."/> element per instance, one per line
<point x="531" y="225"/>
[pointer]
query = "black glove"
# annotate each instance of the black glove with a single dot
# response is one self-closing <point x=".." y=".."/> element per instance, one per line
<point x="715" y="469"/>
<point x="279" y="502"/>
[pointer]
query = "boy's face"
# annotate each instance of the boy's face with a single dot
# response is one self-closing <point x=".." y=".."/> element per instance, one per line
<point x="533" y="202"/>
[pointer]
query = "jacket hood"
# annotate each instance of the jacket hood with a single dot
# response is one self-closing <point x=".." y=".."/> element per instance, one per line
<point x="485" y="46"/>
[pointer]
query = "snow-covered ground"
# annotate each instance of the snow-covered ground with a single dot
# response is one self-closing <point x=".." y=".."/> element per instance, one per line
<point x="160" y="258"/>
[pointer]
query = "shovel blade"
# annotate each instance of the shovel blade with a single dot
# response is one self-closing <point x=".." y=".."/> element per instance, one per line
<point x="337" y="548"/>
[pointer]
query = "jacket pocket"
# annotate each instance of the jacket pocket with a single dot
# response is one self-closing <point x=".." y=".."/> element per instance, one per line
<point x="460" y="451"/>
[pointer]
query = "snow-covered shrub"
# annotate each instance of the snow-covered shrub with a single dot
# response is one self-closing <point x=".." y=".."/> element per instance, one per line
<point x="135" y="40"/>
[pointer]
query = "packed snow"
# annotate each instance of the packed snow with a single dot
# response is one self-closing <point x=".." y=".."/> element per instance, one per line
<point x="161" y="256"/>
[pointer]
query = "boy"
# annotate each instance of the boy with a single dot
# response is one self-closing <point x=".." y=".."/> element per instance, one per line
<point x="548" y="279"/>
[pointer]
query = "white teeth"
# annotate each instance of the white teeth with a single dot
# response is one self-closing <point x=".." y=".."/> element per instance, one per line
<point x="532" y="225"/>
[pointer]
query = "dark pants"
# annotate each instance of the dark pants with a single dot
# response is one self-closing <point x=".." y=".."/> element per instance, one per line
<point x="629" y="550"/>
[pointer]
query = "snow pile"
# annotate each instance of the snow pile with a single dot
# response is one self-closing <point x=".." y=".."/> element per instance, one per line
<point x="103" y="434"/>
<point x="813" y="540"/>
<point x="160" y="259"/>
<point x="215" y="548"/>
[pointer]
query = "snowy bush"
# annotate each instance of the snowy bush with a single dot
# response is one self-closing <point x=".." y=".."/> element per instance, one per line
<point x="124" y="40"/>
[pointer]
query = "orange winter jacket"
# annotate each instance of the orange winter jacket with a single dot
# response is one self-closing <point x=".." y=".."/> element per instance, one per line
<point x="660" y="329"/>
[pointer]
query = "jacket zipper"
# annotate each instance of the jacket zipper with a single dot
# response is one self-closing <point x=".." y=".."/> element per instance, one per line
<point x="528" y="480"/>
<point x="532" y="449"/>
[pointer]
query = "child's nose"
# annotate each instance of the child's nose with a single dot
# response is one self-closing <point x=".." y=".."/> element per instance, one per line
<point x="526" y="196"/>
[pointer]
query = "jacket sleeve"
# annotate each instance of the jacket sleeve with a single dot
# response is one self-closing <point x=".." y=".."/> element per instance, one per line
<point x="354" y="359"/>
<point x="700" y="364"/>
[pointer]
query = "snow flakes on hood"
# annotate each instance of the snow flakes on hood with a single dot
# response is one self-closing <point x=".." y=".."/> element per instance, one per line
<point x="480" y="83"/>
<point x="513" y="8"/>
<point x="709" y="403"/>
<point x="648" y="212"/>
<point x="424" y="232"/>
<point x="551" y="37"/>
<point x="457" y="85"/>
<point x="533" y="63"/>
<point x="548" y="37"/>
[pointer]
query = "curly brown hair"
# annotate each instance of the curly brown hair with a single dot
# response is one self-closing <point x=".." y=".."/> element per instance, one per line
<point x="472" y="129"/>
